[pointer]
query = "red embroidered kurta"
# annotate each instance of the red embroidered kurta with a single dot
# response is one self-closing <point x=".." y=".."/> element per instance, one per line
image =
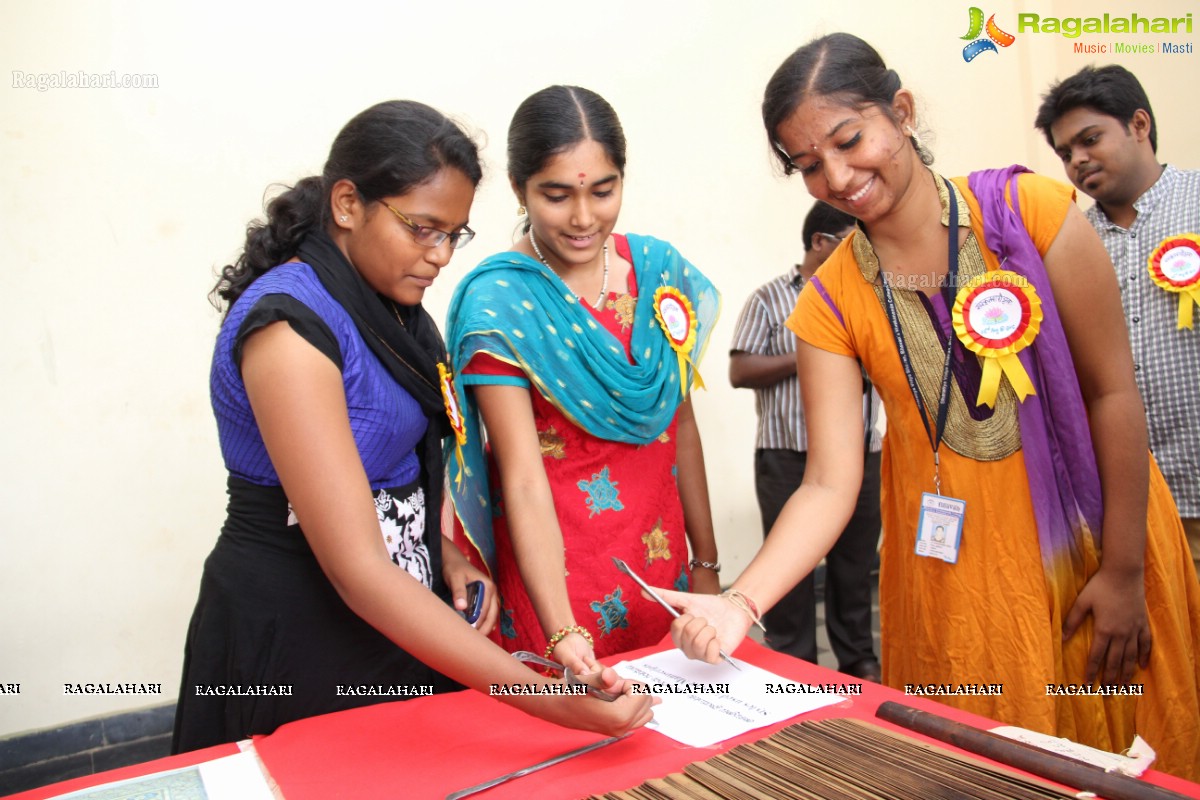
<point x="611" y="499"/>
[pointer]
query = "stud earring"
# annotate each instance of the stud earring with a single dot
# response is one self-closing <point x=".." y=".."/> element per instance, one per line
<point x="521" y="210"/>
<point x="344" y="218"/>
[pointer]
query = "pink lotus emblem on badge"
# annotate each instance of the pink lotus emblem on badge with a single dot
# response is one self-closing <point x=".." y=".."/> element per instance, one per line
<point x="995" y="315"/>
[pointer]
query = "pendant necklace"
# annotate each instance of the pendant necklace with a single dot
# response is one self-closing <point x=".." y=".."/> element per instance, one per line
<point x="604" y="281"/>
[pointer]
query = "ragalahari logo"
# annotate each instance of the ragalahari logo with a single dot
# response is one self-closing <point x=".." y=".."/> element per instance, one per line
<point x="994" y="37"/>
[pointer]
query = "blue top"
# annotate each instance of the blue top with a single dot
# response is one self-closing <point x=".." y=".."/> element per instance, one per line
<point x="386" y="421"/>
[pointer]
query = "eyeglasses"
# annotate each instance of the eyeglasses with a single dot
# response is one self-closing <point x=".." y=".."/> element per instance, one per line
<point x="432" y="237"/>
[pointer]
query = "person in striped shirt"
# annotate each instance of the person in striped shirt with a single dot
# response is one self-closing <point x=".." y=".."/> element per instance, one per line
<point x="763" y="358"/>
<point x="1100" y="124"/>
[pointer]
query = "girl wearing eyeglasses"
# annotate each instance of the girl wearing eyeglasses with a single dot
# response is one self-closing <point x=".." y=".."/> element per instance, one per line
<point x="579" y="349"/>
<point x="330" y="585"/>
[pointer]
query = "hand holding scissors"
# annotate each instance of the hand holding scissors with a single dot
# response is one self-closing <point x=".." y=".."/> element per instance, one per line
<point x="656" y="597"/>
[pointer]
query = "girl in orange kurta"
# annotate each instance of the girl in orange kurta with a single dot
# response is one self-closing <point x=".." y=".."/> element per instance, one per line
<point x="1068" y="566"/>
<point x="996" y="616"/>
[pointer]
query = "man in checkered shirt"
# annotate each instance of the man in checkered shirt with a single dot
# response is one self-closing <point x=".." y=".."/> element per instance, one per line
<point x="1100" y="123"/>
<point x="763" y="358"/>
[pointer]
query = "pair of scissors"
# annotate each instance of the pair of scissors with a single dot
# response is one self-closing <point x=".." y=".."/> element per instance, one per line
<point x="569" y="677"/>
<point x="623" y="567"/>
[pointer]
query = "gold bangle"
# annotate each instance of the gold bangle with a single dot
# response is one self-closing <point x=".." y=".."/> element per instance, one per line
<point x="563" y="633"/>
<point x="744" y="602"/>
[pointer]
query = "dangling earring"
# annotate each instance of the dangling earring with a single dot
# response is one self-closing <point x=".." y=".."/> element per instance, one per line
<point x="923" y="152"/>
<point x="521" y="210"/>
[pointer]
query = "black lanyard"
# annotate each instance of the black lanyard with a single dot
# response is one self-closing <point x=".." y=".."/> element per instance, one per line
<point x="935" y="436"/>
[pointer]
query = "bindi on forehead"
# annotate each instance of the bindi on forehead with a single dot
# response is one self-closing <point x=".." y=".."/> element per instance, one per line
<point x="582" y="175"/>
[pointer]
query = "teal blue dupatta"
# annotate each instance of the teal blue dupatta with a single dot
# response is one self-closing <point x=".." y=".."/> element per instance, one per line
<point x="518" y="311"/>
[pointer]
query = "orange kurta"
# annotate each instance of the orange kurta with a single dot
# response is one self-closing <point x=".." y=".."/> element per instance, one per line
<point x="990" y="618"/>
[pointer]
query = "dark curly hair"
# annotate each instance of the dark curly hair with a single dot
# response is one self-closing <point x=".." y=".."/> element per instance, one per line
<point x="1113" y="91"/>
<point x="838" y="65"/>
<point x="554" y="120"/>
<point x="386" y="150"/>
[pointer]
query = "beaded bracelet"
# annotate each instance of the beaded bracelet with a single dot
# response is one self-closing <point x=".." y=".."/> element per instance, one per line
<point x="743" y="601"/>
<point x="563" y="633"/>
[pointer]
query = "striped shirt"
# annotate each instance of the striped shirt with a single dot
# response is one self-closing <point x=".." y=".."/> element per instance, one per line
<point x="761" y="331"/>
<point x="1166" y="360"/>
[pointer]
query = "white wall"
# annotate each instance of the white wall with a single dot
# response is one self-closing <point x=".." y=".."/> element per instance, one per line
<point x="119" y="203"/>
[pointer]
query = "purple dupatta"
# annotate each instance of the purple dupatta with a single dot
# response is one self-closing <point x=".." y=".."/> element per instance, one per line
<point x="1064" y="482"/>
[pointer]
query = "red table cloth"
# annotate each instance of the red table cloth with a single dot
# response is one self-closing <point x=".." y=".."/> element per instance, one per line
<point x="428" y="747"/>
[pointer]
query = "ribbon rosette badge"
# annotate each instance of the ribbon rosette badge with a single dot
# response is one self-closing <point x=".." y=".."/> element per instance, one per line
<point x="678" y="321"/>
<point x="1175" y="267"/>
<point x="454" y="413"/>
<point x="996" y="316"/>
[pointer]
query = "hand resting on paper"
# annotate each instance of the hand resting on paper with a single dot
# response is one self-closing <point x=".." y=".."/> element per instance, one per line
<point x="707" y="624"/>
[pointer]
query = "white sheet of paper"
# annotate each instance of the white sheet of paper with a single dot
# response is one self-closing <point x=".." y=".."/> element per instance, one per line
<point x="702" y="718"/>
<point x="237" y="777"/>
<point x="1141" y="755"/>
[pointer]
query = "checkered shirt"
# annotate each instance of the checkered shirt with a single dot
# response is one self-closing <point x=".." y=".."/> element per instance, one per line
<point x="761" y="331"/>
<point x="1166" y="360"/>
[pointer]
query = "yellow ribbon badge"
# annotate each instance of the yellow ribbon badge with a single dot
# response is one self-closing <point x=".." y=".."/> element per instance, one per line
<point x="678" y="320"/>
<point x="1175" y="267"/>
<point x="997" y="315"/>
<point x="454" y="414"/>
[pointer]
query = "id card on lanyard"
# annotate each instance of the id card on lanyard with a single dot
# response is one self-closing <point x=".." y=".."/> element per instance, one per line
<point x="940" y="524"/>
